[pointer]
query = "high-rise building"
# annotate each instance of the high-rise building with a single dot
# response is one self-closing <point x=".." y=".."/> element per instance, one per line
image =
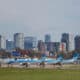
<point x="50" y="46"/>
<point x="71" y="42"/>
<point x="2" y="42"/>
<point x="56" y="46"/>
<point x="9" y="45"/>
<point x="30" y="42"/>
<point x="47" y="38"/>
<point x="77" y="42"/>
<point x="19" y="40"/>
<point x="41" y="46"/>
<point x="65" y="39"/>
<point x="62" y="47"/>
<point x="53" y="46"/>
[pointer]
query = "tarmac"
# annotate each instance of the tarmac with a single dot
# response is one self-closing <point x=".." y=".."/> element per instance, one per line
<point x="46" y="66"/>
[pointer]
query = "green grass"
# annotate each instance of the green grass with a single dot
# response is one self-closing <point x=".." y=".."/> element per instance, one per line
<point x="38" y="74"/>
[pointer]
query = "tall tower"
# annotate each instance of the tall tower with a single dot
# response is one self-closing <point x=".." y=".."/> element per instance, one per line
<point x="41" y="46"/>
<point x="2" y="42"/>
<point x="71" y="42"/>
<point x="9" y="45"/>
<point x="19" y="40"/>
<point x="77" y="42"/>
<point x="65" y="39"/>
<point x="47" y="38"/>
<point x="30" y="42"/>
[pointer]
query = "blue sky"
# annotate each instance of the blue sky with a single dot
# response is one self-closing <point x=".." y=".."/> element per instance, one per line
<point x="39" y="17"/>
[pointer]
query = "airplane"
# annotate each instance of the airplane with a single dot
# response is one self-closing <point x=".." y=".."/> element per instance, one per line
<point x="61" y="60"/>
<point x="8" y="61"/>
<point x="53" y="61"/>
<point x="72" y="60"/>
<point x="13" y="60"/>
<point x="22" y="61"/>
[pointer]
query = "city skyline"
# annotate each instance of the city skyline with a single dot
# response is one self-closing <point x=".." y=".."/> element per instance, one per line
<point x="39" y="17"/>
<point x="44" y="37"/>
<point x="67" y="42"/>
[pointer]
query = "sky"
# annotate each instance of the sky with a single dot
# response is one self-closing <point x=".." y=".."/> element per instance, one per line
<point x="39" y="17"/>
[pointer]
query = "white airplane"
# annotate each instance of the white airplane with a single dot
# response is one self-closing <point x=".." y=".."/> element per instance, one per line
<point x="72" y="60"/>
<point x="53" y="61"/>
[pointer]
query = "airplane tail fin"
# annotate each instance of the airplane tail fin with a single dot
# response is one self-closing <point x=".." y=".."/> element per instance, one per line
<point x="59" y="57"/>
<point x="43" y="58"/>
<point x="75" y="56"/>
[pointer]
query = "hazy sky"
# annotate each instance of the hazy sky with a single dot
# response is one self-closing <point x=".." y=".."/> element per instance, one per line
<point x="39" y="17"/>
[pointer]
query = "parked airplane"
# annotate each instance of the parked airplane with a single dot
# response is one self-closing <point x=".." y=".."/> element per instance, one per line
<point x="53" y="61"/>
<point x="72" y="60"/>
<point x="61" y="60"/>
<point x="13" y="60"/>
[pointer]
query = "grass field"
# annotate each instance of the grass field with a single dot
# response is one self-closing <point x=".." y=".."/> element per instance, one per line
<point x="38" y="74"/>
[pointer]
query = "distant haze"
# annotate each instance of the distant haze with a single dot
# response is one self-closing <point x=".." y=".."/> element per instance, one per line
<point x="39" y="17"/>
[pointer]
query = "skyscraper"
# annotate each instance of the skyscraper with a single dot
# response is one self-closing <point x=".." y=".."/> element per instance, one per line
<point x="53" y="46"/>
<point x="71" y="42"/>
<point x="77" y="42"/>
<point x="41" y="46"/>
<point x="9" y="45"/>
<point x="2" y="42"/>
<point x="62" y="47"/>
<point x="30" y="42"/>
<point x="19" y="40"/>
<point x="47" y="38"/>
<point x="65" y="39"/>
